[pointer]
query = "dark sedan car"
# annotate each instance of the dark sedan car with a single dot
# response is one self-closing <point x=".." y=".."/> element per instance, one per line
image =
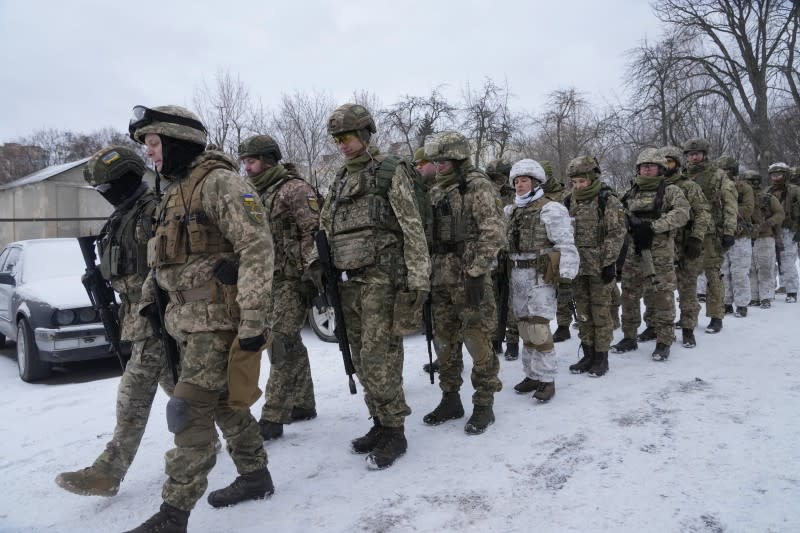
<point x="44" y="306"/>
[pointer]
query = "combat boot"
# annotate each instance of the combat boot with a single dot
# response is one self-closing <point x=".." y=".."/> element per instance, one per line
<point x="427" y="366"/>
<point x="791" y="297"/>
<point x="526" y="386"/>
<point x="688" y="340"/>
<point x="625" y="345"/>
<point x="599" y="365"/>
<point x="765" y="304"/>
<point x="780" y="290"/>
<point x="741" y="312"/>
<point x="728" y="309"/>
<point x="367" y="443"/>
<point x="512" y="352"/>
<point x="661" y="353"/>
<point x="545" y="391"/>
<point x="701" y="298"/>
<point x="754" y="303"/>
<point x="562" y="333"/>
<point x="482" y="417"/>
<point x="90" y="481"/>
<point x="714" y="326"/>
<point x="270" y="430"/>
<point x="449" y="408"/>
<point x="303" y="413"/>
<point x="391" y="445"/>
<point x="649" y="334"/>
<point x="251" y="486"/>
<point x="585" y="362"/>
<point x="168" y="519"/>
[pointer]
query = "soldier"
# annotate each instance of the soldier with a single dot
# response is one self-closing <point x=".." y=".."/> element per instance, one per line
<point x="212" y="255"/>
<point x="544" y="261"/>
<point x="736" y="261"/>
<point x="116" y="173"/>
<point x="721" y="196"/>
<point x="378" y="241"/>
<point x="425" y="168"/>
<point x="293" y="211"/>
<point x="767" y="218"/>
<point x="656" y="210"/>
<point x="467" y="236"/>
<point x="789" y="197"/>
<point x="498" y="171"/>
<point x="599" y="236"/>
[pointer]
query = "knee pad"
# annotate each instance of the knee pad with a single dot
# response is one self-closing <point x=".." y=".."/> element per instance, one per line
<point x="177" y="414"/>
<point x="537" y="334"/>
<point x="190" y="414"/>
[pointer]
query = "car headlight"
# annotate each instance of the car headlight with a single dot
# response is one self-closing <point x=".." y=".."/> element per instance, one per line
<point x="64" y="317"/>
<point x="87" y="315"/>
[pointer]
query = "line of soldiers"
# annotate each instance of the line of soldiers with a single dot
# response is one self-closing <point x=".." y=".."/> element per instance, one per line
<point x="235" y="259"/>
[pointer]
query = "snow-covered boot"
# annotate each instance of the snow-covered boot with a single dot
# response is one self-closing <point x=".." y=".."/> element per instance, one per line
<point x="649" y="334"/>
<point x="270" y="430"/>
<point x="741" y="312"/>
<point x="90" y="481"/>
<point x="714" y="326"/>
<point x="765" y="304"/>
<point x="625" y="345"/>
<point x="688" y="340"/>
<point x="599" y="365"/>
<point x="168" y="519"/>
<point x="391" y="445"/>
<point x="482" y="417"/>
<point x="251" y="486"/>
<point x="791" y="297"/>
<point x="367" y="442"/>
<point x="449" y="408"/>
<point x="526" y="386"/>
<point x="512" y="351"/>
<point x="545" y="391"/>
<point x="661" y="353"/>
<point x="728" y="309"/>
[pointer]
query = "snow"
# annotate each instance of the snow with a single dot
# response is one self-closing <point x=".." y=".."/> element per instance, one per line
<point x="705" y="442"/>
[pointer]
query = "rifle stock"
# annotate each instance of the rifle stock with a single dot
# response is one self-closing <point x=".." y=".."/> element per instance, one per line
<point x="427" y="318"/>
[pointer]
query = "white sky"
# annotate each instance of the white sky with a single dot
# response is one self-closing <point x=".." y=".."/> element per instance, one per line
<point x="81" y="65"/>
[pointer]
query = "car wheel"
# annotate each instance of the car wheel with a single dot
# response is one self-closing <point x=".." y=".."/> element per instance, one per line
<point x="323" y="323"/>
<point x="31" y="368"/>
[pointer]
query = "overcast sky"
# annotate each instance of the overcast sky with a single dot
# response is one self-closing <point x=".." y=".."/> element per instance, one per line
<point x="82" y="65"/>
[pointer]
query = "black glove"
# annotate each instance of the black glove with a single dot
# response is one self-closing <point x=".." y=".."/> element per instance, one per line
<point x="693" y="248"/>
<point x="642" y="235"/>
<point x="564" y="291"/>
<point x="315" y="275"/>
<point x="150" y="312"/>
<point x="608" y="273"/>
<point x="727" y="241"/>
<point x="252" y="344"/>
<point x="474" y="290"/>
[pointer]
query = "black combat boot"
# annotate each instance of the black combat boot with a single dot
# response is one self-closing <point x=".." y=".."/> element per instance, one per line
<point x="391" y="445"/>
<point x="562" y="333"/>
<point x="303" y="413"/>
<point x="427" y="366"/>
<point x="599" y="365"/>
<point x="585" y="362"/>
<point x="728" y="309"/>
<point x="661" y="353"/>
<point x="367" y="443"/>
<point x="497" y="346"/>
<point x="688" y="338"/>
<point x="251" y="486"/>
<point x="649" y="334"/>
<point x="482" y="417"/>
<point x="449" y="408"/>
<point x="168" y="519"/>
<point x="754" y="303"/>
<point x="765" y="304"/>
<point x="526" y="386"/>
<point x="701" y="298"/>
<point x="791" y="297"/>
<point x="714" y="326"/>
<point x="512" y="352"/>
<point x="625" y="345"/>
<point x="270" y="430"/>
<point x="545" y="391"/>
<point x="741" y="312"/>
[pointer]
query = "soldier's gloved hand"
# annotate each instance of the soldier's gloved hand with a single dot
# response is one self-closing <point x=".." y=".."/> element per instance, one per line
<point x="643" y="235"/>
<point x="252" y="344"/>
<point x="608" y="273"/>
<point x="474" y="290"/>
<point x="315" y="275"/>
<point x="564" y="291"/>
<point x="150" y="312"/>
<point x="693" y="248"/>
<point x="727" y="241"/>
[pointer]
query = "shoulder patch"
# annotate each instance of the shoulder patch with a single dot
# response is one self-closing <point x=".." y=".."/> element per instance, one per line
<point x="313" y="204"/>
<point x="252" y="206"/>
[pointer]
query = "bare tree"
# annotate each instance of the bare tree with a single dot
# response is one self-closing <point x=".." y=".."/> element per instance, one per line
<point x="224" y="107"/>
<point x="480" y="114"/>
<point x="415" y="117"/>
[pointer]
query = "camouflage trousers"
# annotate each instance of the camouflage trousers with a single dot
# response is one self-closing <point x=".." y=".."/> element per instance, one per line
<point x="686" y="272"/>
<point x="454" y="322"/>
<point x="712" y="265"/>
<point x="202" y="388"/>
<point x="658" y="294"/>
<point x="788" y="273"/>
<point x="289" y="384"/>
<point x="512" y="331"/>
<point x="564" y="314"/>
<point x="377" y="354"/>
<point x="137" y="388"/>
<point x="762" y="269"/>
<point x="593" y="307"/>
<point x="735" y="273"/>
<point x="616" y="302"/>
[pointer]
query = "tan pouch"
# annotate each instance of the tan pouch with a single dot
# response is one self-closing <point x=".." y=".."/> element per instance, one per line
<point x="244" y="369"/>
<point x="550" y="273"/>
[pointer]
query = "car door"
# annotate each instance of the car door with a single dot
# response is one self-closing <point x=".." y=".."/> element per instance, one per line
<point x="5" y="296"/>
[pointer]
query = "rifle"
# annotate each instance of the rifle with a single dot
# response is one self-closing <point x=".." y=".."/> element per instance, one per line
<point x="332" y="294"/>
<point x="427" y="319"/>
<point x="101" y="294"/>
<point x="503" y="294"/>
<point x="168" y="343"/>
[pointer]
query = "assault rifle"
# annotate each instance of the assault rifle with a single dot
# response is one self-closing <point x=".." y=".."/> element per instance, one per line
<point x="101" y="294"/>
<point x="427" y="320"/>
<point x="168" y="343"/>
<point x="503" y="288"/>
<point x="332" y="296"/>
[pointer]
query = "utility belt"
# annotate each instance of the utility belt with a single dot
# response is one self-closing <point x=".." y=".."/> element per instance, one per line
<point x="208" y="293"/>
<point x="448" y="247"/>
<point x="525" y="263"/>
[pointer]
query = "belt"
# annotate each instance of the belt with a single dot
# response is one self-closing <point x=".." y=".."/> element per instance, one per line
<point x="523" y="263"/>
<point x="192" y="295"/>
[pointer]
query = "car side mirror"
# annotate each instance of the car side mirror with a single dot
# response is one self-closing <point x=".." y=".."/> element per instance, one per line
<point x="6" y="278"/>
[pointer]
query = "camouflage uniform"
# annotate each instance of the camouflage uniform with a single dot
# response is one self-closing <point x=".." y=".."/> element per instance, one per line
<point x="789" y="197"/>
<point x="738" y="259"/>
<point x="767" y="218"/>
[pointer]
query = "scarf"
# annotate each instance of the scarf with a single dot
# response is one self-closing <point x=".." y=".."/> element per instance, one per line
<point x="648" y="183"/>
<point x="268" y="177"/>
<point x="358" y="163"/>
<point x="532" y="196"/>
<point x="589" y="192"/>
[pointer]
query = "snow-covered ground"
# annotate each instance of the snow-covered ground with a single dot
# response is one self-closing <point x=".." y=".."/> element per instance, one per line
<point x="707" y="441"/>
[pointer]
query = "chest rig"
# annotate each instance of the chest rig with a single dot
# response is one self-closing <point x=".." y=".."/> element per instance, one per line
<point x="646" y="205"/>
<point x="525" y="232"/>
<point x="452" y="225"/>
<point x="182" y="226"/>
<point x="123" y="240"/>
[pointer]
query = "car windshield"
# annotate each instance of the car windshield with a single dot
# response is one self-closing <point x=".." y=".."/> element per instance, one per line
<point x="52" y="259"/>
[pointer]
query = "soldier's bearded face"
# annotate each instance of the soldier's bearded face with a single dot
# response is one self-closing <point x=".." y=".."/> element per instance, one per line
<point x="523" y="185"/>
<point x="253" y="166"/>
<point x="152" y="143"/>
<point x="695" y="157"/>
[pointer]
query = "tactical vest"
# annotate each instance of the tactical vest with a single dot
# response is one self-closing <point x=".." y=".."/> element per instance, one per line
<point x="589" y="222"/>
<point x="123" y="240"/>
<point x="646" y="205"/>
<point x="452" y="228"/>
<point x="525" y="231"/>
<point x="712" y="189"/>
<point x="285" y="235"/>
<point x="182" y="226"/>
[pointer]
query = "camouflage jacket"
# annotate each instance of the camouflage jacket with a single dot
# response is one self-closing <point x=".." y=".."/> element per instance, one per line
<point x="789" y="197"/>
<point x="745" y="207"/>
<point x="768" y="215"/>
<point x="599" y="240"/>
<point x="720" y="193"/>
<point x="699" y="211"/>
<point x="673" y="215"/>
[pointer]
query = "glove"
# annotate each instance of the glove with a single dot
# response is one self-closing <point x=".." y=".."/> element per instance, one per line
<point x="150" y="312"/>
<point x="727" y="241"/>
<point x="693" y="248"/>
<point x="314" y="274"/>
<point x="643" y="235"/>
<point x="564" y="291"/>
<point x="608" y="273"/>
<point x="474" y="290"/>
<point x="252" y="344"/>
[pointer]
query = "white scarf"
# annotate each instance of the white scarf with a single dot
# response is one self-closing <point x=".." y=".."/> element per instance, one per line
<point x="532" y="196"/>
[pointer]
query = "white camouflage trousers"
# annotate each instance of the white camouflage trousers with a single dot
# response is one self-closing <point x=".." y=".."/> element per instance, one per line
<point x="762" y="270"/>
<point x="701" y="283"/>
<point x="788" y="273"/>
<point x="735" y="273"/>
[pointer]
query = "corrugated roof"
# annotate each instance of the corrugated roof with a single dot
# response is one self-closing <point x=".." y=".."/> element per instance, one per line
<point x="41" y="175"/>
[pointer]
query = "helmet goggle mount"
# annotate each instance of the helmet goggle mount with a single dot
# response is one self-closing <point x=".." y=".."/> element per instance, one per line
<point x="142" y="116"/>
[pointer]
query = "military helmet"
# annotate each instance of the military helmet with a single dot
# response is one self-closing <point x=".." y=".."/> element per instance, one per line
<point x="696" y="145"/>
<point x="447" y="145"/>
<point x="548" y="168"/>
<point x="781" y="168"/>
<point x="651" y="156"/>
<point x="672" y="152"/>
<point x="581" y="165"/>
<point x="260" y="145"/>
<point x="499" y="167"/>
<point x="419" y="154"/>
<point x="527" y="167"/>
<point x="753" y="177"/>
<point x="112" y="163"/>
<point x="350" y="117"/>
<point x="729" y="164"/>
<point x="169" y="120"/>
